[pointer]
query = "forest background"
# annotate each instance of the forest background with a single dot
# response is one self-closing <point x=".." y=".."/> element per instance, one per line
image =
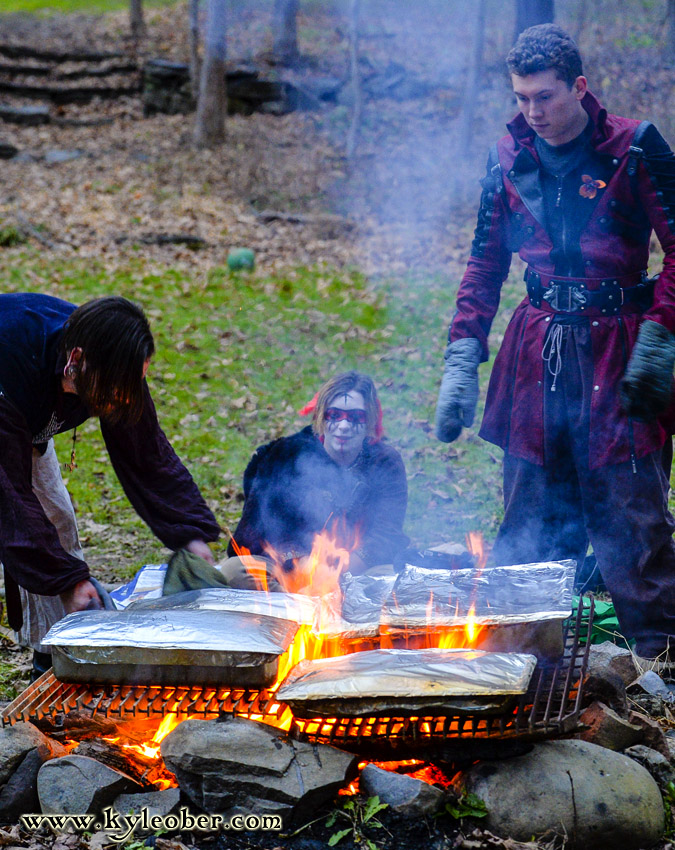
<point x="366" y="276"/>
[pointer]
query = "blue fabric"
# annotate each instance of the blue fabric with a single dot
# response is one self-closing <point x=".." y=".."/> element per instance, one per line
<point x="31" y="326"/>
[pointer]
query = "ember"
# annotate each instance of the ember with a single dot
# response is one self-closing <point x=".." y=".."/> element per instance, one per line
<point x="134" y="749"/>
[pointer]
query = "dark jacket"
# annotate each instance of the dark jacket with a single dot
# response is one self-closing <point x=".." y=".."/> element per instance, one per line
<point x="608" y="237"/>
<point x="33" y="407"/>
<point x="293" y="490"/>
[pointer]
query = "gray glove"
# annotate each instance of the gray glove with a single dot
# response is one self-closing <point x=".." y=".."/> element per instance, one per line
<point x="458" y="395"/>
<point x="646" y="387"/>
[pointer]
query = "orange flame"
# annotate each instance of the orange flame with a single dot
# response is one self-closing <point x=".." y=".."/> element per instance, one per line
<point x="476" y="546"/>
<point x="255" y="568"/>
<point x="471" y="629"/>
<point x="150" y="750"/>
<point x="318" y="573"/>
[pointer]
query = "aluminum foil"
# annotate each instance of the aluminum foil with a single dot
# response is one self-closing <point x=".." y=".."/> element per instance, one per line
<point x="284" y="606"/>
<point x="406" y="673"/>
<point x="365" y="596"/>
<point x="422" y="597"/>
<point x="213" y="638"/>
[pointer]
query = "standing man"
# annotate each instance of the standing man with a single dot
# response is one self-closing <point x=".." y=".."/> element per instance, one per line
<point x="580" y="396"/>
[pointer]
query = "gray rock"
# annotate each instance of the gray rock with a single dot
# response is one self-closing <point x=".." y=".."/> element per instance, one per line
<point x="403" y="794"/>
<point x="19" y="795"/>
<point x="15" y="742"/>
<point x="156" y="802"/>
<point x="657" y="764"/>
<point x="651" y="683"/>
<point x="25" y="156"/>
<point x="653" y="735"/>
<point x="30" y="116"/>
<point x="609" y="658"/>
<point x="607" y="729"/>
<point x="242" y="763"/>
<point x="56" y="157"/>
<point x="596" y="797"/>
<point x="606" y="687"/>
<point x="79" y="784"/>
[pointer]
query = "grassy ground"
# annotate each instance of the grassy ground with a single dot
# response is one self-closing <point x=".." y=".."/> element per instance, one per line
<point x="237" y="355"/>
<point x="64" y="7"/>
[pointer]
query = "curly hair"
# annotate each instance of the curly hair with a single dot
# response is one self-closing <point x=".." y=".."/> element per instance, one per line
<point x="341" y="385"/>
<point x="116" y="341"/>
<point x="542" y="47"/>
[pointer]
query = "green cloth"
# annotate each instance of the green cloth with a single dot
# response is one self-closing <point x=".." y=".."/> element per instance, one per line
<point x="605" y="623"/>
<point x="190" y="572"/>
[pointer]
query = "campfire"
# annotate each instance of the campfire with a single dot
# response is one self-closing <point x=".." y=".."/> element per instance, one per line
<point x="472" y="684"/>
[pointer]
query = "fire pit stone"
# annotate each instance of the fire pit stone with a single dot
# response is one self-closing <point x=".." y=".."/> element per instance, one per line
<point x="78" y="784"/>
<point x="15" y="743"/>
<point x="403" y="794"/>
<point x="156" y="802"/>
<point x="252" y="766"/>
<point x="595" y="797"/>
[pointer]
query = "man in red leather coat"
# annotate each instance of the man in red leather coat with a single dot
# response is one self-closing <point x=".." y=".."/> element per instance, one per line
<point x="580" y="396"/>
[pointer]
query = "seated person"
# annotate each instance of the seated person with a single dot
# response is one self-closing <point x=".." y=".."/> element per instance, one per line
<point x="337" y="474"/>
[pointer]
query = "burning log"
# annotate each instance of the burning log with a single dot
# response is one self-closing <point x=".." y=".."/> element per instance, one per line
<point x="110" y="753"/>
<point x="75" y="724"/>
<point x="133" y="749"/>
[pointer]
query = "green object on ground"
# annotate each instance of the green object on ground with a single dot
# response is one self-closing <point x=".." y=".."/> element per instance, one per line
<point x="241" y="259"/>
<point x="605" y="623"/>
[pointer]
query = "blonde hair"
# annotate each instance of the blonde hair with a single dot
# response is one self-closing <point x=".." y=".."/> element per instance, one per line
<point x="342" y="384"/>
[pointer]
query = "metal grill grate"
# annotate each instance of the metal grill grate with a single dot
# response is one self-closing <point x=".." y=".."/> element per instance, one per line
<point x="549" y="708"/>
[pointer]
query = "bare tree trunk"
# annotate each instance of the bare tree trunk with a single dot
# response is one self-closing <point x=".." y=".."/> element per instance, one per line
<point x="211" y="106"/>
<point x="193" y="16"/>
<point x="357" y="94"/>
<point x="580" y="23"/>
<point x="473" y="79"/>
<point x="531" y="12"/>
<point x="136" y="22"/>
<point x="285" y="25"/>
<point x="669" y="46"/>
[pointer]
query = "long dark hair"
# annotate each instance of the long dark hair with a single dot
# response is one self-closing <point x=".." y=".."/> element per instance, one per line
<point x="116" y="341"/>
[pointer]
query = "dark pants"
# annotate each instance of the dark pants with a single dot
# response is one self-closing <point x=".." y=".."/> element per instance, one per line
<point x="553" y="511"/>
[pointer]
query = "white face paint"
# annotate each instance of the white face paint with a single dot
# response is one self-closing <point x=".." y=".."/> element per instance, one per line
<point x="343" y="439"/>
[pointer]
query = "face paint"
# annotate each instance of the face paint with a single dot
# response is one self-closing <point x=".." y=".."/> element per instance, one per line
<point x="345" y="430"/>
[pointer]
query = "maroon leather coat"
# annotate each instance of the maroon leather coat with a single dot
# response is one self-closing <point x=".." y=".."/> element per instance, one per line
<point x="613" y="243"/>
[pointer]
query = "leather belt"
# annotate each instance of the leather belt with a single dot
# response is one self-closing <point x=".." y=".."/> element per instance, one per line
<point x="573" y="295"/>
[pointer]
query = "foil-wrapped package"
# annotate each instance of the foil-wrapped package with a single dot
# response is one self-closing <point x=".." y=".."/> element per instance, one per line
<point x="435" y="681"/>
<point x="365" y="596"/>
<point x="513" y="594"/>
<point x="285" y="606"/>
<point x="172" y="647"/>
<point x="516" y="608"/>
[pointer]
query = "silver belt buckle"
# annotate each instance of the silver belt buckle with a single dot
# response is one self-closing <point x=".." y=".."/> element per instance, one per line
<point x="569" y="299"/>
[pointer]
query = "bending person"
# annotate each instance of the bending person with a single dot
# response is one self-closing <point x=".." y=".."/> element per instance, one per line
<point x="337" y="474"/>
<point x="60" y="365"/>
